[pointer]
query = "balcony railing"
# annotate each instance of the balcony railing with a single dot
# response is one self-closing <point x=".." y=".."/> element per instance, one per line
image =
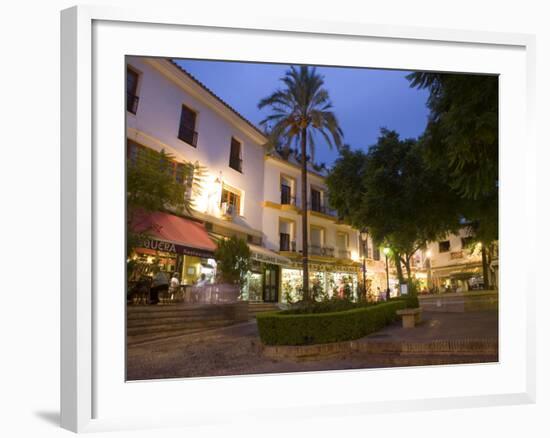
<point x="344" y="254"/>
<point x="321" y="208"/>
<point x="188" y="135"/>
<point x="319" y="250"/>
<point x="284" y="242"/>
<point x="286" y="196"/>
<point x="132" y="102"/>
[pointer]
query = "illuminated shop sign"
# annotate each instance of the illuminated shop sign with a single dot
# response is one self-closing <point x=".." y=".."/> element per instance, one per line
<point x="161" y="245"/>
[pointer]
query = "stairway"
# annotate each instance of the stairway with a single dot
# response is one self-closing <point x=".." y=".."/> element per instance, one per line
<point x="259" y="307"/>
<point x="146" y="324"/>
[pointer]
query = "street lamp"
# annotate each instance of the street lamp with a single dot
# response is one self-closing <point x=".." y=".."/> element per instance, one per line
<point x="386" y="252"/>
<point x="364" y="239"/>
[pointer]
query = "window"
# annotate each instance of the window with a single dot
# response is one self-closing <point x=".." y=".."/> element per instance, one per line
<point x="316" y="236"/>
<point x="231" y="198"/>
<point x="187" y="131"/>
<point x="444" y="246"/>
<point x="286" y="194"/>
<point x="342" y="240"/>
<point x="285" y="234"/>
<point x="315" y="200"/>
<point x="284" y="242"/>
<point x="132" y="99"/>
<point x="235" y="156"/>
<point x="466" y="242"/>
<point x="376" y="252"/>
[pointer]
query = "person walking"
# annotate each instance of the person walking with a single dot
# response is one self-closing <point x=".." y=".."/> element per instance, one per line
<point x="174" y="286"/>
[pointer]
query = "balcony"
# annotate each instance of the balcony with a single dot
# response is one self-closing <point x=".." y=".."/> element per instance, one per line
<point x="132" y="102"/>
<point x="319" y="250"/>
<point x="285" y="244"/>
<point x="344" y="254"/>
<point x="321" y="208"/>
<point x="286" y="196"/>
<point x="188" y="135"/>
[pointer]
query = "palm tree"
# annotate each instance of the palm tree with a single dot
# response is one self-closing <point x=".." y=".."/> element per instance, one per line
<point x="299" y="110"/>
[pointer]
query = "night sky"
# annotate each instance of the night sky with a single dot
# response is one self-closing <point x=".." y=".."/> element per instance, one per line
<point x="364" y="100"/>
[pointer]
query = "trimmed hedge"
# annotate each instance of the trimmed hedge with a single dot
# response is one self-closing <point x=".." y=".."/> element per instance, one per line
<point x="277" y="328"/>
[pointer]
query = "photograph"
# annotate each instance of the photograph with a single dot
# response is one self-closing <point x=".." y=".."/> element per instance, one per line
<point x="285" y="218"/>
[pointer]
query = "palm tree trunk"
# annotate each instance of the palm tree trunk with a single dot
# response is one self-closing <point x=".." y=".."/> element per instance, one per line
<point x="305" y="281"/>
<point x="485" y="267"/>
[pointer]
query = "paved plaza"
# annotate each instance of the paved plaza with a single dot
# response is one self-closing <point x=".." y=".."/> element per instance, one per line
<point x="237" y="350"/>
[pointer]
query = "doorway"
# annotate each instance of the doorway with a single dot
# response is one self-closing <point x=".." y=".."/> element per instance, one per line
<point x="271" y="284"/>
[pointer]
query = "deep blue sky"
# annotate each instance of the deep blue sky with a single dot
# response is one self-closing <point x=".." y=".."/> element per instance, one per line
<point x="364" y="100"/>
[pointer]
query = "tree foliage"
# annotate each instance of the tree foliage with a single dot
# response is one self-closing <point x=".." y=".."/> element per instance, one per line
<point x="154" y="183"/>
<point x="233" y="260"/>
<point x="461" y="140"/>
<point x="392" y="192"/>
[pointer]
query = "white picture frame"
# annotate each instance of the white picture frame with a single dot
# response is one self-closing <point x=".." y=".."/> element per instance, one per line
<point x="85" y="381"/>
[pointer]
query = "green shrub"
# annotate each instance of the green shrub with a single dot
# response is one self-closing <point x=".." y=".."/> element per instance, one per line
<point x="284" y="328"/>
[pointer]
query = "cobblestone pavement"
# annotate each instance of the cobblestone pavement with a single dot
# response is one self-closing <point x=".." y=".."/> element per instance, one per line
<point x="236" y="350"/>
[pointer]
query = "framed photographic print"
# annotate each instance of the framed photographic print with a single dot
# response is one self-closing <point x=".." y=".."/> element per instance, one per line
<point x="333" y="218"/>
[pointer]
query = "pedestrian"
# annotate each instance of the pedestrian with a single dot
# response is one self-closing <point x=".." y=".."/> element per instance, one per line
<point x="381" y="295"/>
<point x="174" y="286"/>
<point x="159" y="287"/>
<point x="203" y="281"/>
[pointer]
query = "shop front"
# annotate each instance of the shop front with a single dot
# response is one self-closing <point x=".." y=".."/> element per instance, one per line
<point x="170" y="244"/>
<point x="263" y="280"/>
<point x="326" y="280"/>
<point x="458" y="279"/>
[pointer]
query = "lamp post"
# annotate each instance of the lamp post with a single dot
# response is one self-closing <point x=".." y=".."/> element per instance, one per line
<point x="364" y="238"/>
<point x="386" y="252"/>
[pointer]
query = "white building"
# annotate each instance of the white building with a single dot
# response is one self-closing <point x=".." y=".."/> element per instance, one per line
<point x="245" y="190"/>
<point x="455" y="263"/>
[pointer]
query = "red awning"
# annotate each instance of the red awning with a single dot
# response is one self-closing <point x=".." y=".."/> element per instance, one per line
<point x="174" y="234"/>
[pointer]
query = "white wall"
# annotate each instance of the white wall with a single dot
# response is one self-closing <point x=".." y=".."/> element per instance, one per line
<point x="439" y="259"/>
<point x="158" y="117"/>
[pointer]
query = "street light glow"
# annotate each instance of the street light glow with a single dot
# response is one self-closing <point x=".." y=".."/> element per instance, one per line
<point x="386" y="250"/>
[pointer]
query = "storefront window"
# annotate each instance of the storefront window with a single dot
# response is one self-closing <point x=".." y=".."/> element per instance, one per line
<point x="324" y="285"/>
<point x="252" y="291"/>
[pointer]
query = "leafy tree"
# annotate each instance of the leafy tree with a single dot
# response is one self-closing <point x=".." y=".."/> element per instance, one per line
<point x="391" y="191"/>
<point x="462" y="132"/>
<point x="153" y="183"/>
<point x="233" y="258"/>
<point x="461" y="139"/>
<point x="299" y="110"/>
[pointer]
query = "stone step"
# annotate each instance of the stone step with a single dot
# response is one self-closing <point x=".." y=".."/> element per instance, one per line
<point x="149" y="338"/>
<point x="183" y="311"/>
<point x="255" y="308"/>
<point x="145" y="322"/>
<point x="161" y="327"/>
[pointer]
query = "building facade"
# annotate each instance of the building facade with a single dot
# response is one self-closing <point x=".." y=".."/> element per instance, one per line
<point x="455" y="263"/>
<point x="248" y="191"/>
